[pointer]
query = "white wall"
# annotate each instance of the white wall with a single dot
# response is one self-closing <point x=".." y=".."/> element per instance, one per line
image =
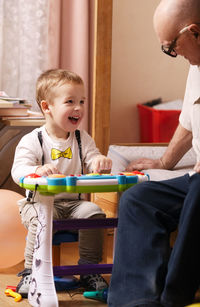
<point x="140" y="70"/>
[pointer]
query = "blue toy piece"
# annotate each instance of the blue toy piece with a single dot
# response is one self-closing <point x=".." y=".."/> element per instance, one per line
<point x="100" y="295"/>
<point x="66" y="283"/>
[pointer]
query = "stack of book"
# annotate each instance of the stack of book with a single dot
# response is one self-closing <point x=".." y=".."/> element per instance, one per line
<point x="12" y="107"/>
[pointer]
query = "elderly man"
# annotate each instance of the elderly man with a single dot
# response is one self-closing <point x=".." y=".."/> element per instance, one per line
<point x="146" y="271"/>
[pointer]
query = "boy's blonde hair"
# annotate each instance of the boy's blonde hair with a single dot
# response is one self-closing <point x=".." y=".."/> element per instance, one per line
<point x="52" y="78"/>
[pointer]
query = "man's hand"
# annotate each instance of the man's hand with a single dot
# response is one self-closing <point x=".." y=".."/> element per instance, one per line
<point x="180" y="143"/>
<point x="47" y="169"/>
<point x="101" y="164"/>
<point x="145" y="163"/>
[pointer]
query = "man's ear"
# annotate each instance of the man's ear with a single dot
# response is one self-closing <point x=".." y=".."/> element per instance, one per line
<point x="195" y="29"/>
<point x="44" y="106"/>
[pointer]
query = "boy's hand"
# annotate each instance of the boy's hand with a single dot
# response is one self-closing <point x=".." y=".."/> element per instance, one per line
<point x="47" y="169"/>
<point x="197" y="167"/>
<point x="101" y="163"/>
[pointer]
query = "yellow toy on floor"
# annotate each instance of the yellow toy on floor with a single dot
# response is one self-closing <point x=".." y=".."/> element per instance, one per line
<point x="17" y="296"/>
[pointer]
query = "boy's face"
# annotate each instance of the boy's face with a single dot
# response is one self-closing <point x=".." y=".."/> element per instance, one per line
<point x="67" y="108"/>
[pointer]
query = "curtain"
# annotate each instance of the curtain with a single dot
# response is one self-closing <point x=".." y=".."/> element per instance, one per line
<point x="36" y="35"/>
<point x="23" y="46"/>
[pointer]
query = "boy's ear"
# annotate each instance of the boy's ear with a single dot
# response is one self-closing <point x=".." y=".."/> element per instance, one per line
<point x="44" y="106"/>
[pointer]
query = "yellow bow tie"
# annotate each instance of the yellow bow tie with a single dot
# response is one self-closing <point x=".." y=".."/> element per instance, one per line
<point x="56" y="154"/>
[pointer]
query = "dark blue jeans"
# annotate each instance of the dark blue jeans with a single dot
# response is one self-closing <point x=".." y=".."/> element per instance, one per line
<point x="146" y="271"/>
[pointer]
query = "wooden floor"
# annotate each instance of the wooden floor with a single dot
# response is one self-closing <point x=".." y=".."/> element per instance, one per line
<point x="72" y="298"/>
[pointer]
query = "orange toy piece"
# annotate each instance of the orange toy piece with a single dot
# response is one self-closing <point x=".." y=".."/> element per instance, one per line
<point x="132" y="173"/>
<point x="57" y="176"/>
<point x="17" y="296"/>
<point x="12" y="232"/>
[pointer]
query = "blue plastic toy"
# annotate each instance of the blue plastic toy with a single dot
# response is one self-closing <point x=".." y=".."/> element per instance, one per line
<point x="100" y="295"/>
<point x="90" y="183"/>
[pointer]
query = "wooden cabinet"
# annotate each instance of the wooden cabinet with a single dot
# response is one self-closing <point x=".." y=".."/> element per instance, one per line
<point x="108" y="202"/>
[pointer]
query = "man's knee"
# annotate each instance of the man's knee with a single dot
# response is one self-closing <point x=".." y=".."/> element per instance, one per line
<point x="195" y="180"/>
<point x="136" y="192"/>
<point x="136" y="197"/>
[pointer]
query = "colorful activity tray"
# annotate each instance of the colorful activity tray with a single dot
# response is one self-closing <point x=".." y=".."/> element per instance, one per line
<point x="42" y="290"/>
<point x="90" y="183"/>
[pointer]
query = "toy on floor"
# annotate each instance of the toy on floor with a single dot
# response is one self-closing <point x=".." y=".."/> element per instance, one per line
<point x="67" y="282"/>
<point x="12" y="288"/>
<point x="17" y="296"/>
<point x="100" y="295"/>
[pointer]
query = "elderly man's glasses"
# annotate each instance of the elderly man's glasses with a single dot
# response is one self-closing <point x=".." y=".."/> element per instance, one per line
<point x="170" y="49"/>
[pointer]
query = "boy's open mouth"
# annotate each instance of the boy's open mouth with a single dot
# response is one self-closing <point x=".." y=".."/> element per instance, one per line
<point x="73" y="119"/>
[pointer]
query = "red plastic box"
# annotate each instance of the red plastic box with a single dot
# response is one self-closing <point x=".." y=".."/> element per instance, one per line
<point x="157" y="126"/>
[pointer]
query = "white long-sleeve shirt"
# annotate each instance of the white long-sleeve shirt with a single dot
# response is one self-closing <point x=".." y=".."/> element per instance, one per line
<point x="192" y="94"/>
<point x="28" y="154"/>
<point x="190" y="114"/>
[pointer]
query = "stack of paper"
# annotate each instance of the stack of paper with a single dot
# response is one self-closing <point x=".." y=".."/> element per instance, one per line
<point x="12" y="106"/>
<point x="169" y="105"/>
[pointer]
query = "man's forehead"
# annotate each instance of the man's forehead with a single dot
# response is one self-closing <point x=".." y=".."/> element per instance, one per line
<point x="165" y="29"/>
